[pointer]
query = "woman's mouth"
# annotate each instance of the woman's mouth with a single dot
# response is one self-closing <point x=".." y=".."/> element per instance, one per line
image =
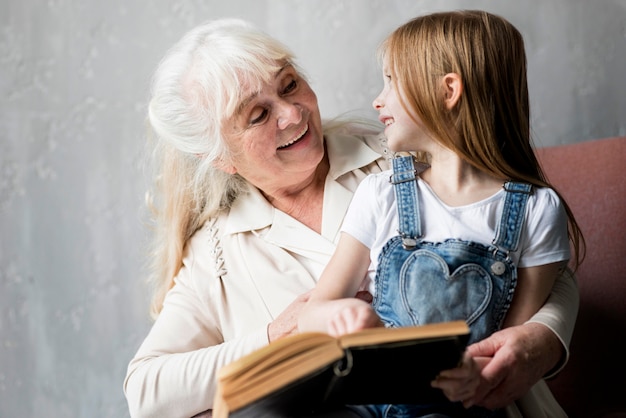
<point x="296" y="139"/>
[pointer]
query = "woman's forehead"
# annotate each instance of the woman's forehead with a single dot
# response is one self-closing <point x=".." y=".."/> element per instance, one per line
<point x="251" y="85"/>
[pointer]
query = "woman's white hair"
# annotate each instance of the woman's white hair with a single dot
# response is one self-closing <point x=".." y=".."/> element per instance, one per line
<point x="195" y="90"/>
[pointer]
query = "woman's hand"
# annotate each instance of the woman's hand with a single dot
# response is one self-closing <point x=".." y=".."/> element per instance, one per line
<point x="287" y="322"/>
<point x="519" y="357"/>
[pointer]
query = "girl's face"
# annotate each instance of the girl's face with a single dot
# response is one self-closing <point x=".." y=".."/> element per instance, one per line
<point x="275" y="136"/>
<point x="401" y="130"/>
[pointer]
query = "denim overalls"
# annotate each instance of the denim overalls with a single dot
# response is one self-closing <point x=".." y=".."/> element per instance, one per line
<point x="420" y="282"/>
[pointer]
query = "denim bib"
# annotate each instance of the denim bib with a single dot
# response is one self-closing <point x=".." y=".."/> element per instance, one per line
<point x="420" y="282"/>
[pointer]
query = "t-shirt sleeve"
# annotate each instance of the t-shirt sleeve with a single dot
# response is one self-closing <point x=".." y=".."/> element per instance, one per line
<point x="545" y="236"/>
<point x="360" y="219"/>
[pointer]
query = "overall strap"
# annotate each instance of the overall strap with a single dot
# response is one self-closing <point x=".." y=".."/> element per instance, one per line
<point x="404" y="182"/>
<point x="513" y="214"/>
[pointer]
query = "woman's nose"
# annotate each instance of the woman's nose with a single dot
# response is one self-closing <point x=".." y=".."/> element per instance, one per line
<point x="288" y="114"/>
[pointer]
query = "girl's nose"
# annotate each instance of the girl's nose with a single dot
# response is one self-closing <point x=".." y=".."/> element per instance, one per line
<point x="377" y="103"/>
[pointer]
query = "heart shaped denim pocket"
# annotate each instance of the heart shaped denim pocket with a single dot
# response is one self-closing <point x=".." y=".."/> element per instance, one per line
<point x="430" y="293"/>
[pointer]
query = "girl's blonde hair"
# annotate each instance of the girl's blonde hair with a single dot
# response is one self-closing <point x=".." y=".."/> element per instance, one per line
<point x="195" y="89"/>
<point x="490" y="125"/>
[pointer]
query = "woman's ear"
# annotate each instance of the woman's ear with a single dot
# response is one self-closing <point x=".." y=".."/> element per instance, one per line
<point x="453" y="89"/>
<point x="227" y="168"/>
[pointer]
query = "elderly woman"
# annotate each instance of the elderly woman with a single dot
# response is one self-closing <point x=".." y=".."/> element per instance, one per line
<point x="250" y="191"/>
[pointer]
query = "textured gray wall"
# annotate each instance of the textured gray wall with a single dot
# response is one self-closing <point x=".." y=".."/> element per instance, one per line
<point x="73" y="87"/>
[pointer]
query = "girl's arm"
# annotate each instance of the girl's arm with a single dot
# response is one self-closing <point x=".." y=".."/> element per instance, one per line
<point x="332" y="307"/>
<point x="534" y="285"/>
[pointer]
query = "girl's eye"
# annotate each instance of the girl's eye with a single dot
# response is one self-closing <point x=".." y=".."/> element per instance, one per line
<point x="258" y="116"/>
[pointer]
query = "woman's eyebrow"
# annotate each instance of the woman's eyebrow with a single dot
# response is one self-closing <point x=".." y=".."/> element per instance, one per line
<point x="245" y="102"/>
<point x="251" y="97"/>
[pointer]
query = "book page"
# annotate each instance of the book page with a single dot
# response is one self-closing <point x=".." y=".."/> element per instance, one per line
<point x="273" y="353"/>
<point x="248" y="387"/>
<point x="386" y="335"/>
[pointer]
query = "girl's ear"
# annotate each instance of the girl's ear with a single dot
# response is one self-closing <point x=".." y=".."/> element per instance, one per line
<point x="453" y="89"/>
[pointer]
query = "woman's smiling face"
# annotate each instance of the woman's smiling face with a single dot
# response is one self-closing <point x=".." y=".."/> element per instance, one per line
<point x="275" y="137"/>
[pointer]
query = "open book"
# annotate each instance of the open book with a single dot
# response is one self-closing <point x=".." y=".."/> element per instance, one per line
<point x="310" y="371"/>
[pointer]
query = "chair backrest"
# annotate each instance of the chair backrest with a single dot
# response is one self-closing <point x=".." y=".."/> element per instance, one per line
<point x="590" y="176"/>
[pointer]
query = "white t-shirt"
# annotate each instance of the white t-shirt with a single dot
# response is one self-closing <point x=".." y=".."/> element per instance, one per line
<point x="373" y="219"/>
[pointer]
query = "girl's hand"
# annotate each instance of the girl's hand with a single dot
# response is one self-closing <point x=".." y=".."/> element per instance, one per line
<point x="354" y="315"/>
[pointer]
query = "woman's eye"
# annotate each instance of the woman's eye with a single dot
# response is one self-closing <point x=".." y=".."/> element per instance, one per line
<point x="258" y="116"/>
<point x="290" y="87"/>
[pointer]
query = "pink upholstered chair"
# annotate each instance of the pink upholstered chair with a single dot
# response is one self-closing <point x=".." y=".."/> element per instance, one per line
<point x="590" y="175"/>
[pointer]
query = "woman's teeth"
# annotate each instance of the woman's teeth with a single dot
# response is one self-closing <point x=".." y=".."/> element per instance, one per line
<point x="297" y="138"/>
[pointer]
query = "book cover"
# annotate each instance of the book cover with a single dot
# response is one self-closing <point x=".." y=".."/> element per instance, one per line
<point x="311" y="371"/>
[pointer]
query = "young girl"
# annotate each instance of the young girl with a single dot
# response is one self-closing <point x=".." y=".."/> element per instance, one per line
<point x="465" y="226"/>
